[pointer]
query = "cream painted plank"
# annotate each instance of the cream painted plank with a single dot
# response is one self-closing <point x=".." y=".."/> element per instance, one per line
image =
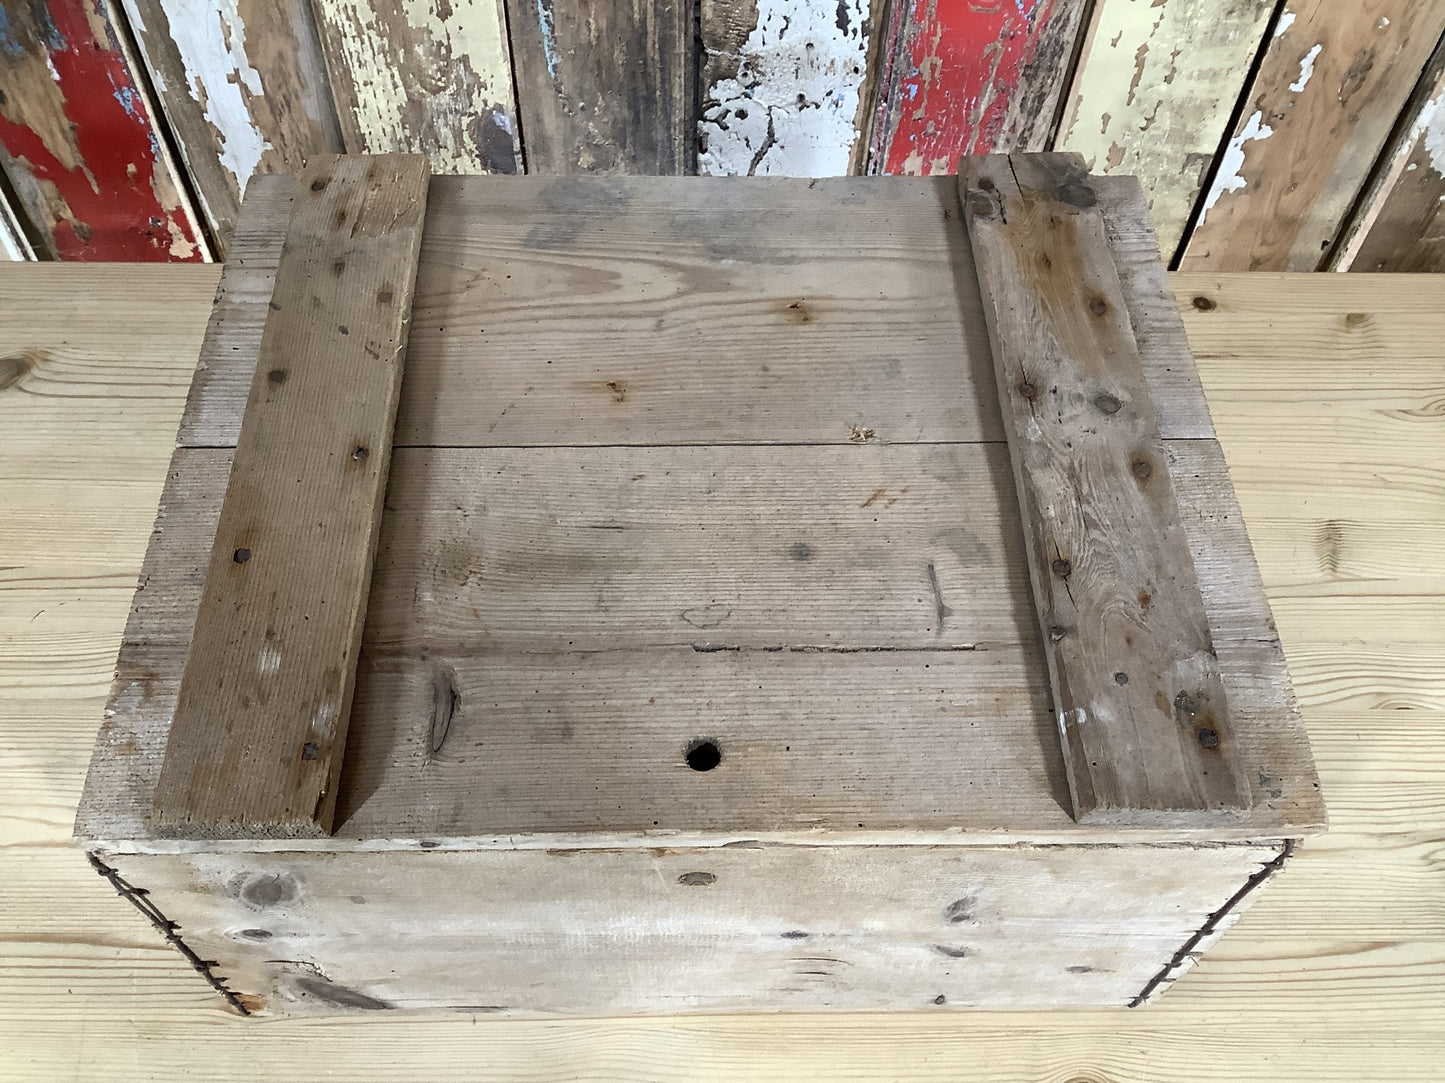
<point x="244" y="89"/>
<point x="1152" y="94"/>
<point x="1319" y="112"/>
<point x="14" y="245"/>
<point x="863" y="285"/>
<point x="781" y="95"/>
<point x="424" y="78"/>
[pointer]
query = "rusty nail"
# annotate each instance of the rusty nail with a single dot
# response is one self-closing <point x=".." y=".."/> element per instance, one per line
<point x="1062" y="567"/>
<point x="1028" y="390"/>
<point x="1108" y="403"/>
<point x="1209" y="738"/>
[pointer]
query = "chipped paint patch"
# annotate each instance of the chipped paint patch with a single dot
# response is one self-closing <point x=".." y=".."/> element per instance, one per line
<point x="1306" y="69"/>
<point x="1231" y="162"/>
<point x="791" y="107"/>
<point x="431" y="78"/>
<point x="1432" y="125"/>
<point x="1285" y="22"/>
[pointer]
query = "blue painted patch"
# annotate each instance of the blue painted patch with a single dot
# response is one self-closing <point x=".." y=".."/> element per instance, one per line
<point x="54" y="39"/>
<point x="126" y="96"/>
<point x="8" y="44"/>
<point x="549" y="47"/>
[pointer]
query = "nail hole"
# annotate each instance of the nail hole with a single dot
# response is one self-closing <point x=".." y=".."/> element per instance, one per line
<point x="276" y="376"/>
<point x="1028" y="390"/>
<point x="986" y="184"/>
<point x="1209" y="738"/>
<point x="317" y="185"/>
<point x="310" y="750"/>
<point x="1121" y="678"/>
<point x="697" y="879"/>
<point x="703" y="754"/>
<point x="240" y="556"/>
<point x="1098" y="306"/>
<point x="1108" y="404"/>
<point x="360" y="454"/>
<point x="1204" y="304"/>
<point x="256" y="934"/>
<point x="1062" y="567"/>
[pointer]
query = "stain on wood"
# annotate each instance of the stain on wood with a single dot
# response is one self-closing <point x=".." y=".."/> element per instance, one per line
<point x="1317" y="116"/>
<point x="244" y="89"/>
<point x="782" y="82"/>
<point x="606" y="88"/>
<point x="424" y="78"/>
<point x="1399" y="224"/>
<point x="1136" y="680"/>
<point x="971" y="77"/>
<point x="260" y="721"/>
<point x="1153" y="91"/>
<point x="79" y="148"/>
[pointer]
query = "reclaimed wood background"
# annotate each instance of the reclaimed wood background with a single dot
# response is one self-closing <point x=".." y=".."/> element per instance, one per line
<point x="1269" y="134"/>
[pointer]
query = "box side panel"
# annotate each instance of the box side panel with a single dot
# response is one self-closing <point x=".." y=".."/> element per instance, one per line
<point x="734" y="929"/>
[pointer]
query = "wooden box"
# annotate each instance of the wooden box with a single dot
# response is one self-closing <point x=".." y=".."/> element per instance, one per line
<point x="700" y="668"/>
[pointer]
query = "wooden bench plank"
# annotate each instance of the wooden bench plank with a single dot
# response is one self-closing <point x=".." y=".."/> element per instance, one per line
<point x="260" y="722"/>
<point x="1137" y="690"/>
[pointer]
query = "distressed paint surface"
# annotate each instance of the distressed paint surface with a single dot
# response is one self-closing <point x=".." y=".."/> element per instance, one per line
<point x="13" y="244"/>
<point x="974" y="77"/>
<point x="1153" y="91"/>
<point x="785" y="102"/>
<point x="1319" y="113"/>
<point x="424" y="78"/>
<point x="80" y="151"/>
<point x="243" y="86"/>
<point x="1401" y="223"/>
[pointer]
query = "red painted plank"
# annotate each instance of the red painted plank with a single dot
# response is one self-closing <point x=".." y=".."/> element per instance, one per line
<point x="82" y="152"/>
<point x="974" y="77"/>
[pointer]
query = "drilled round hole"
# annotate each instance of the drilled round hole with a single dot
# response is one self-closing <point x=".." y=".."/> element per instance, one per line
<point x="240" y="556"/>
<point x="703" y="754"/>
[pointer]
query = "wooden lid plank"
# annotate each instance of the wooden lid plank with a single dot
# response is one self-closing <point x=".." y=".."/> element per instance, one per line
<point x="1136" y="684"/>
<point x="260" y="724"/>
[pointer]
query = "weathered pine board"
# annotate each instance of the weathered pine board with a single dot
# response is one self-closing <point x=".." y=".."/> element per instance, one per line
<point x="430" y="79"/>
<point x="260" y="720"/>
<point x="970" y="77"/>
<point x="606" y="88"/>
<point x="77" y="143"/>
<point x="1319" y="112"/>
<point x="872" y="316"/>
<point x="782" y="85"/>
<point x="1152" y="94"/>
<point x="598" y="724"/>
<point x="834" y="928"/>
<point x="1398" y="223"/>
<point x="1141" y="705"/>
<point x="244" y="89"/>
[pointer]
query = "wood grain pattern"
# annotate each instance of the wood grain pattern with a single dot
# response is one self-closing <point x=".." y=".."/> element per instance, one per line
<point x="1344" y="954"/>
<point x="1136" y="682"/>
<point x="243" y="87"/>
<point x="782" y="86"/>
<point x="77" y="143"/>
<point x="1152" y="93"/>
<point x="430" y="79"/>
<point x="1320" y="111"/>
<point x="872" y="318"/>
<point x="1397" y="224"/>
<point x="606" y="88"/>
<point x="970" y="78"/>
<point x="648" y="930"/>
<point x="261" y="755"/>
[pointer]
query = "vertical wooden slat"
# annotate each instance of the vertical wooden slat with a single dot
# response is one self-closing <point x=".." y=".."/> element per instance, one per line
<point x="606" y="88"/>
<point x="1317" y="116"/>
<point x="1141" y="708"/>
<point x="971" y="77"/>
<point x="80" y="150"/>
<point x="782" y="86"/>
<point x="1153" y="92"/>
<point x="260" y="723"/>
<point x="431" y="79"/>
<point x="14" y="245"/>
<point x="1399" y="223"/>
<point x="244" y="90"/>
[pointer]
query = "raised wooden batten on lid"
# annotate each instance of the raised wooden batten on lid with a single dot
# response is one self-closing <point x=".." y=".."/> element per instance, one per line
<point x="696" y="661"/>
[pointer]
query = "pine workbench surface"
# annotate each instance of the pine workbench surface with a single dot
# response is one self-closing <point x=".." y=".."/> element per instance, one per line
<point x="1327" y="393"/>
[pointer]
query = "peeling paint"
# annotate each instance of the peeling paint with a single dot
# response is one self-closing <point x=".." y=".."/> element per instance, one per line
<point x="1306" y="69"/>
<point x="1169" y="68"/>
<point x="425" y="77"/>
<point x="972" y="76"/>
<point x="791" y="106"/>
<point x="1231" y="163"/>
<point x="1285" y="22"/>
<point x="1432" y="123"/>
<point x="83" y="156"/>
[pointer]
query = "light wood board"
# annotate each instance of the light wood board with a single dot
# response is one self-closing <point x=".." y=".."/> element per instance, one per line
<point x="1336" y="974"/>
<point x="284" y="600"/>
<point x="1141" y="707"/>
